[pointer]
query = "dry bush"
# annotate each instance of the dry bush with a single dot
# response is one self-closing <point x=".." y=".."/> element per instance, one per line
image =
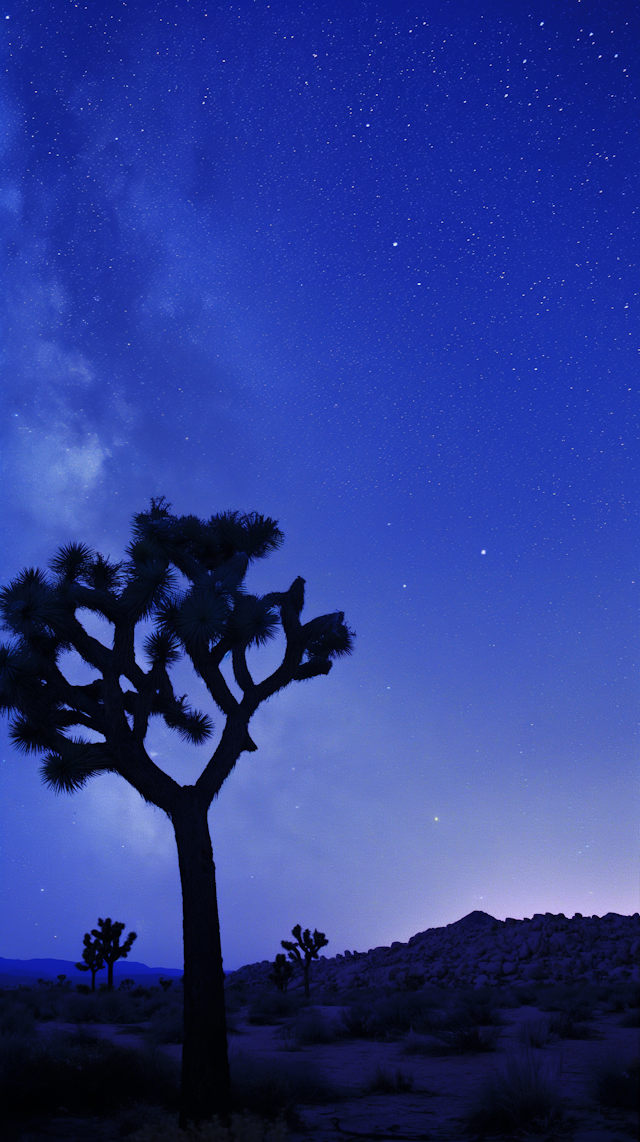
<point x="521" y="1096"/>
<point x="535" y="1033"/>
<point x="384" y="1081"/>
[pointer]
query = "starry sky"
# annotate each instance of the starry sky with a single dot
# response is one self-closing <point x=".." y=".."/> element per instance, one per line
<point x="365" y="268"/>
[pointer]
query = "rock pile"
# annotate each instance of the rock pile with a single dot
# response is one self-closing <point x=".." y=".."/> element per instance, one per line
<point x="479" y="951"/>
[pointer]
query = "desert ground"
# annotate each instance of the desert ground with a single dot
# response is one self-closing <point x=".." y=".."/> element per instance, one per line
<point x="432" y="1094"/>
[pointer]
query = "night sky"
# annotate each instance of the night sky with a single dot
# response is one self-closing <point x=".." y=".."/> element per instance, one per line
<point x="364" y="267"/>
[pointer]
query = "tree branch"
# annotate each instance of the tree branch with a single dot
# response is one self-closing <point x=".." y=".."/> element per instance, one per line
<point x="89" y="648"/>
<point x="241" y="670"/>
<point x="235" y="739"/>
<point x="206" y="664"/>
<point x="132" y="762"/>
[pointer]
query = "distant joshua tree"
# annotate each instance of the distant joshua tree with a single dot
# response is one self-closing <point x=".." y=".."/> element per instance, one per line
<point x="305" y="949"/>
<point x="183" y="579"/>
<point x="282" y="972"/>
<point x="93" y="958"/>
<point x="107" y="936"/>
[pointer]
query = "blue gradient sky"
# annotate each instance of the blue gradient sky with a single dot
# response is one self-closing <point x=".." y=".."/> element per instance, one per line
<point x="366" y="268"/>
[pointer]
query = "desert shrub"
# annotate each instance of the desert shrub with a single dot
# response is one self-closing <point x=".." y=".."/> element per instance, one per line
<point x="268" y="1007"/>
<point x="522" y="1096"/>
<point x="520" y="996"/>
<point x="417" y="1045"/>
<point x="166" y="1024"/>
<point x="401" y="1012"/>
<point x="480" y="1006"/>
<point x="572" y="999"/>
<point x="620" y="996"/>
<point x="384" y="1081"/>
<point x="358" y="1021"/>
<point x="565" y="1025"/>
<point x="272" y="1088"/>
<point x="461" y="1036"/>
<point x="81" y="1008"/>
<point x="535" y="1033"/>
<point x="84" y="1074"/>
<point x="289" y="1039"/>
<point x="243" y="1128"/>
<point x="43" y="1002"/>
<point x="117" y="1007"/>
<point x="16" y="1018"/>
<point x="615" y="1084"/>
<point x="235" y="996"/>
<point x="307" y="1027"/>
<point x="631" y="1018"/>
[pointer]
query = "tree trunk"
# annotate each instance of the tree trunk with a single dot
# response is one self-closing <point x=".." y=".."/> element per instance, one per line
<point x="205" y="1089"/>
<point x="305" y="972"/>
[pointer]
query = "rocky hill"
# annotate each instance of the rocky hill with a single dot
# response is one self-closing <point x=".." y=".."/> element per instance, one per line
<point x="479" y="950"/>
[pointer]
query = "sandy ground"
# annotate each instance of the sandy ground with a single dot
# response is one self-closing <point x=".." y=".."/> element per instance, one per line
<point x="443" y="1087"/>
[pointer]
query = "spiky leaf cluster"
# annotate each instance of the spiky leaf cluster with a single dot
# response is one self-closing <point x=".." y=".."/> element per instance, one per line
<point x="328" y="637"/>
<point x="185" y="576"/>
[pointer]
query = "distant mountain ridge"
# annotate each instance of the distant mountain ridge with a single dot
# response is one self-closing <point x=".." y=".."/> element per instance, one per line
<point x="480" y="951"/>
<point x="30" y="971"/>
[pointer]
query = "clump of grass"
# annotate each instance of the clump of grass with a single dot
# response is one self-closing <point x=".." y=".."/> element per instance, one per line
<point x="404" y="1011"/>
<point x="384" y="1081"/>
<point x="616" y="1084"/>
<point x="461" y="1036"/>
<point x="520" y="996"/>
<point x="415" y="1044"/>
<point x="307" y="1027"/>
<point x="535" y="1033"/>
<point x="479" y="1007"/>
<point x="619" y="996"/>
<point x="359" y="1021"/>
<point x="272" y="1088"/>
<point x="521" y="1097"/>
<point x="631" y="1018"/>
<point x="570" y="999"/>
<point x="83" y="1074"/>
<point x="242" y="1128"/>
<point x="565" y="1025"/>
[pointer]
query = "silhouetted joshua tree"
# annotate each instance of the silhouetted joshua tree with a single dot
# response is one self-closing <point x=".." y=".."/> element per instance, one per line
<point x="305" y="949"/>
<point x="282" y="972"/>
<point x="93" y="959"/>
<point x="185" y="577"/>
<point x="107" y="936"/>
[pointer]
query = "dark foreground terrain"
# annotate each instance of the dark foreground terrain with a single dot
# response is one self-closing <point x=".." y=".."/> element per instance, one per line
<point x="550" y="1061"/>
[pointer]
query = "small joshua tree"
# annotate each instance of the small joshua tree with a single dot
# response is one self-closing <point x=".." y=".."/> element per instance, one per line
<point x="93" y="958"/>
<point x="305" y="949"/>
<point x="282" y="972"/>
<point x="107" y="936"/>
